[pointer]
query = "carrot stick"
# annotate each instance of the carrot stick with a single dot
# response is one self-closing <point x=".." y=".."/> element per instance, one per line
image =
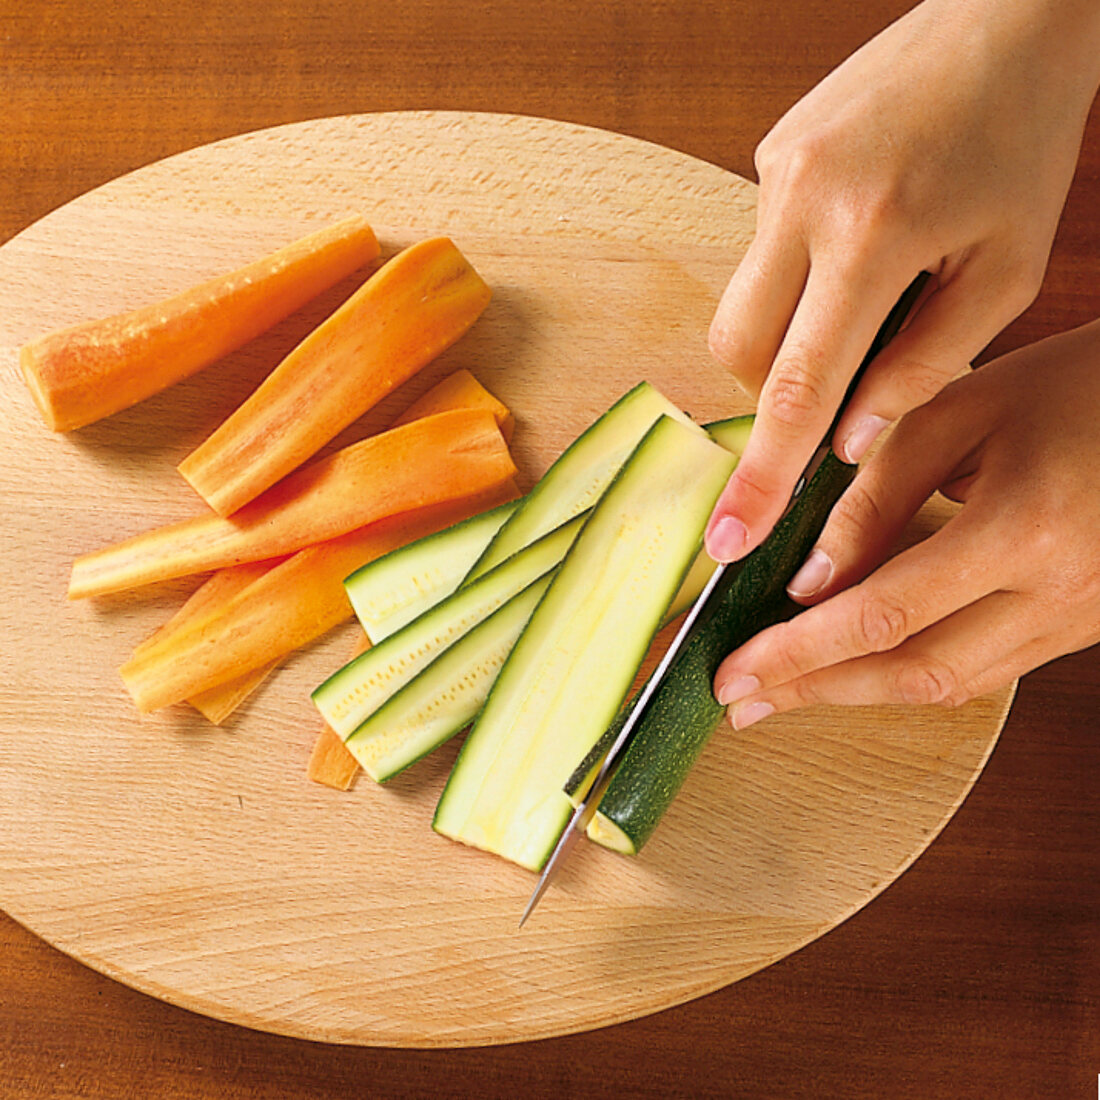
<point x="88" y="371"/>
<point x="216" y="704"/>
<point x="460" y="390"/>
<point x="442" y="457"/>
<point x="414" y="307"/>
<point x="331" y="762"/>
<point x="290" y="605"/>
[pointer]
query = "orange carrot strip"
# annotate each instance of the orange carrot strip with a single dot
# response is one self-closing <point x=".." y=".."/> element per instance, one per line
<point x="331" y="762"/>
<point x="460" y="390"/>
<point x="216" y="704"/>
<point x="442" y="457"/>
<point x="414" y="307"/>
<point x="208" y="597"/>
<point x="290" y="605"/>
<point x="91" y="370"/>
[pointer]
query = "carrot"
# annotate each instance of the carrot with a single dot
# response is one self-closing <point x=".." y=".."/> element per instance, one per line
<point x="88" y="371"/>
<point x="331" y="762"/>
<point x="289" y="606"/>
<point x="414" y="307"/>
<point x="443" y="457"/>
<point x="217" y="704"/>
<point x="460" y="390"/>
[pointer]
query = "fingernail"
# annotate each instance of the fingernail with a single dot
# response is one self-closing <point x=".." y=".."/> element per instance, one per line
<point x="812" y="577"/>
<point x="727" y="539"/>
<point x="745" y="716"/>
<point x="861" y="437"/>
<point x="737" y="688"/>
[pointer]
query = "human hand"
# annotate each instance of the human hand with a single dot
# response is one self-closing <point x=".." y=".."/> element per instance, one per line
<point x="945" y="144"/>
<point x="1008" y="583"/>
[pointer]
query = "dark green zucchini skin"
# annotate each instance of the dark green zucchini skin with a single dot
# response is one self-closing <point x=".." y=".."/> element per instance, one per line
<point x="684" y="712"/>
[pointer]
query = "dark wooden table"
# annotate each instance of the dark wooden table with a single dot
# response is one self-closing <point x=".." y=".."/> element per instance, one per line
<point x="978" y="972"/>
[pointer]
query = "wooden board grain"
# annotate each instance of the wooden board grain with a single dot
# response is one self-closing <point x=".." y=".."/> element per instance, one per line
<point x="198" y="864"/>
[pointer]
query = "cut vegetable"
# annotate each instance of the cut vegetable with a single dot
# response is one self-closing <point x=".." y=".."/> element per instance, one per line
<point x="581" y="473"/>
<point x="460" y="390"/>
<point x="573" y="664"/>
<point x="413" y="308"/>
<point x="83" y="373"/>
<point x="330" y="763"/>
<point x="447" y="695"/>
<point x="683" y="711"/>
<point x="351" y="694"/>
<point x="392" y="591"/>
<point x="289" y="606"/>
<point x="216" y="704"/>
<point x="445" y="457"/>
<point x="732" y="434"/>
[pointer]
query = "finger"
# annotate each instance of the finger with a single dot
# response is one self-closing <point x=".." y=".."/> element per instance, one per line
<point x="757" y="306"/>
<point x="831" y="330"/>
<point x="968" y="653"/>
<point x="909" y="593"/>
<point x="941" y="340"/>
<point x="927" y="450"/>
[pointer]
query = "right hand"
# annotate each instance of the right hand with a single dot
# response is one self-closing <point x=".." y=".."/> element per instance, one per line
<point x="947" y="144"/>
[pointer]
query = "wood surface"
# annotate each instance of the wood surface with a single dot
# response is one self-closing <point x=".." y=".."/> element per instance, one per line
<point x="976" y="973"/>
<point x="198" y="864"/>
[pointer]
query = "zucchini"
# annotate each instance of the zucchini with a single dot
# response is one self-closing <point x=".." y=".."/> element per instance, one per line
<point x="392" y="590"/>
<point x="581" y="472"/>
<point x="683" y="712"/>
<point x="355" y="691"/>
<point x="732" y="434"/>
<point x="446" y="697"/>
<point x="574" y="662"/>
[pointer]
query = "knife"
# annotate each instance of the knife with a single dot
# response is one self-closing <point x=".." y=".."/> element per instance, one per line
<point x="586" y="808"/>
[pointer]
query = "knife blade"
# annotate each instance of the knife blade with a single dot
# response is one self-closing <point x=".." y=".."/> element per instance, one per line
<point x="586" y="808"/>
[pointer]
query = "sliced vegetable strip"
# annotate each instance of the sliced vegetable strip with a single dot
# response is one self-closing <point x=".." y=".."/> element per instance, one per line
<point x="460" y="390"/>
<point x="331" y="762"/>
<point x="413" y="308"/>
<point x="218" y="703"/>
<point x="88" y="371"/>
<point x="444" y="457"/>
<point x="289" y="606"/>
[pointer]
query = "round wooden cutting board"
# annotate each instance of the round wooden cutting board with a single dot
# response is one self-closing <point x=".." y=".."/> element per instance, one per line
<point x="199" y="864"/>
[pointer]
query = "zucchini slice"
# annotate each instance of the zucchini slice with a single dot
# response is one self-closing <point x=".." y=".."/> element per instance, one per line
<point x="574" y="662"/>
<point x="392" y="590"/>
<point x="351" y="694"/>
<point x="732" y="434"/>
<point x="446" y="697"/>
<point x="683" y="711"/>
<point x="581" y="472"/>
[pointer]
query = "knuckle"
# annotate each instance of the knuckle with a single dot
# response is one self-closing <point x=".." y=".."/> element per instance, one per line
<point x="788" y="658"/>
<point x="882" y="624"/>
<point x="856" y="515"/>
<point x="927" y="680"/>
<point x="756" y="491"/>
<point x="917" y="381"/>
<point x="797" y="390"/>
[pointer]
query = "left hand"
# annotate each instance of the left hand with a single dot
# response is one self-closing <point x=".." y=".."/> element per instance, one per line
<point x="1010" y="582"/>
